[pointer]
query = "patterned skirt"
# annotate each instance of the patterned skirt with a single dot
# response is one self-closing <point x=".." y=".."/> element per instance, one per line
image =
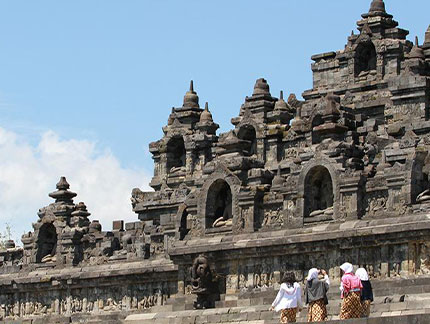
<point x="365" y="304"/>
<point x="351" y="306"/>
<point x="317" y="311"/>
<point x="288" y="315"/>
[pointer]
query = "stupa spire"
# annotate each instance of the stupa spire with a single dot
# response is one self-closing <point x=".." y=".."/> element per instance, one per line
<point x="427" y="36"/>
<point x="281" y="104"/>
<point x="62" y="193"/>
<point x="377" y="6"/>
<point x="206" y="116"/>
<point x="417" y="51"/>
<point x="191" y="100"/>
<point x="261" y="87"/>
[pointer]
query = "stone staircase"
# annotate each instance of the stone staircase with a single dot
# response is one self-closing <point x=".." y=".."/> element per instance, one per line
<point x="400" y="300"/>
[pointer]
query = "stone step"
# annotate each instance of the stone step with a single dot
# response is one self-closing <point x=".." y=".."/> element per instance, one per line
<point x="381" y="295"/>
<point x="335" y="293"/>
<point x="234" y="301"/>
<point x="380" y="287"/>
<point x="256" y="315"/>
<point x="410" y="295"/>
<point x="394" y="318"/>
<point x="416" y="304"/>
<point x="333" y="301"/>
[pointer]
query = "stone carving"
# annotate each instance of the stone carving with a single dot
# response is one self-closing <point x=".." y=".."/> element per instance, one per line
<point x="424" y="254"/>
<point x="137" y="196"/>
<point x="376" y="204"/>
<point x="423" y="196"/>
<point x="273" y="218"/>
<point x="202" y="282"/>
<point x="72" y="305"/>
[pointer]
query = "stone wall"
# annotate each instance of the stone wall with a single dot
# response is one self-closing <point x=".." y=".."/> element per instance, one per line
<point x="385" y="249"/>
<point x="97" y="290"/>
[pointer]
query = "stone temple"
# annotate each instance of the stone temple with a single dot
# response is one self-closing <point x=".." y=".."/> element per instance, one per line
<point x="343" y="175"/>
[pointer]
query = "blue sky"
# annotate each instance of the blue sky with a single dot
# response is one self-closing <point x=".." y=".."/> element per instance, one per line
<point x="106" y="73"/>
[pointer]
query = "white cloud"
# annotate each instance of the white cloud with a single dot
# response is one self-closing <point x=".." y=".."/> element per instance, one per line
<point x="28" y="173"/>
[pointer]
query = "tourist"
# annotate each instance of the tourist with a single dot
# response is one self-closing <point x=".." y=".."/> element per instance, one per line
<point x="350" y="293"/>
<point x="366" y="292"/>
<point x="289" y="299"/>
<point x="316" y="295"/>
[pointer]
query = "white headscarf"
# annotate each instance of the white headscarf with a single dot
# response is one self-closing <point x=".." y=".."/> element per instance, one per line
<point x="347" y="267"/>
<point x="313" y="274"/>
<point x="362" y="274"/>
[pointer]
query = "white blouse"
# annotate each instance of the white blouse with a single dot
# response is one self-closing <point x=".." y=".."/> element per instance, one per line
<point x="288" y="297"/>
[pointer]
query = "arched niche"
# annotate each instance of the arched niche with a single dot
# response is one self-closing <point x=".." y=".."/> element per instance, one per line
<point x="420" y="190"/>
<point x="318" y="195"/>
<point x="365" y="58"/>
<point x="176" y="154"/>
<point x="46" y="242"/>
<point x="183" y="225"/>
<point x="219" y="210"/>
<point x="248" y="133"/>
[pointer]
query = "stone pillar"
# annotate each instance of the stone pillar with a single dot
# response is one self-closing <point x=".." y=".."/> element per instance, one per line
<point x="380" y="65"/>
<point x="163" y="166"/>
<point x="350" y="202"/>
<point x="181" y="281"/>
<point x="250" y="279"/>
<point x="261" y="154"/>
<point x="296" y="220"/>
<point x="273" y="148"/>
<point x="276" y="280"/>
<point x="157" y="165"/>
<point x="189" y="165"/>
<point x="351" y="70"/>
<point x="292" y="217"/>
<point x="248" y="210"/>
<point x="396" y="194"/>
<point x="232" y="279"/>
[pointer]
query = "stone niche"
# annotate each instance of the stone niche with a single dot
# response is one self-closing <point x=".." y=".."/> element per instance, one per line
<point x="176" y="155"/>
<point x="219" y="205"/>
<point x="318" y="195"/>
<point x="248" y="133"/>
<point x="365" y="58"/>
<point x="46" y="243"/>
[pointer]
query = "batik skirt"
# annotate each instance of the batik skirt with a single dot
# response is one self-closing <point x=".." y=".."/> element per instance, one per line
<point x="351" y="306"/>
<point x="317" y="311"/>
<point x="365" y="304"/>
<point x="288" y="315"/>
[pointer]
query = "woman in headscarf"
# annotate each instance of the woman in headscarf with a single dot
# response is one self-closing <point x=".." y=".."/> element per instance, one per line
<point x="289" y="299"/>
<point x="366" y="292"/>
<point x="316" y="295"/>
<point x="350" y="293"/>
